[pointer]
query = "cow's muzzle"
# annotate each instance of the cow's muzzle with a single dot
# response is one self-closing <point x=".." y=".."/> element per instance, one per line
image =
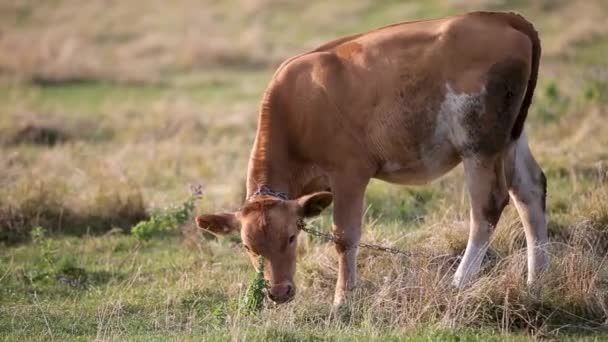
<point x="282" y="292"/>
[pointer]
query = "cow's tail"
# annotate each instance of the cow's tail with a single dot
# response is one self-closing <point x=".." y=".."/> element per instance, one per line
<point x="521" y="24"/>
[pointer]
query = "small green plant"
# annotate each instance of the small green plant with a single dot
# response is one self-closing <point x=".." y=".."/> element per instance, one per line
<point x="554" y="103"/>
<point x="552" y="91"/>
<point x="167" y="220"/>
<point x="591" y="94"/>
<point x="51" y="266"/>
<point x="46" y="264"/>
<point x="595" y="92"/>
<point x="254" y="296"/>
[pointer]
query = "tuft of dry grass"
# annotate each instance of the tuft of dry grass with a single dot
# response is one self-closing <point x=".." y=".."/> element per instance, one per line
<point x="415" y="293"/>
<point x="39" y="134"/>
<point x="52" y="204"/>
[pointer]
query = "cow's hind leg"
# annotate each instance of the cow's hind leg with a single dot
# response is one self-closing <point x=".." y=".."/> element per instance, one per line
<point x="484" y="128"/>
<point x="487" y="186"/>
<point x="528" y="189"/>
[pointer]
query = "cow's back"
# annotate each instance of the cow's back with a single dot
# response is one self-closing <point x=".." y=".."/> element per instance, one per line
<point x="386" y="98"/>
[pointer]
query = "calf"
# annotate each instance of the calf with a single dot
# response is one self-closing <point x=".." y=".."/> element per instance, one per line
<point x="404" y="103"/>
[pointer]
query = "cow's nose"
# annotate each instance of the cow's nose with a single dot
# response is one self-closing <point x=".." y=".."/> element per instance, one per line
<point x="282" y="292"/>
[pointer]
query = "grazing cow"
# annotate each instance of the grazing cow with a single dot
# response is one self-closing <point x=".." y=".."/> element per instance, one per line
<point x="404" y="103"/>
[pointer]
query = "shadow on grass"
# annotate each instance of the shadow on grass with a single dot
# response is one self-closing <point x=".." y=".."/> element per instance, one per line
<point x="15" y="225"/>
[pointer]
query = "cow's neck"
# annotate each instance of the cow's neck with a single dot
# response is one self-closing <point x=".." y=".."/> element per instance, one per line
<point x="269" y="161"/>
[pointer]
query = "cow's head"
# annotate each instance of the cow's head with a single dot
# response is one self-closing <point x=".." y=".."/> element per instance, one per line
<point x="269" y="228"/>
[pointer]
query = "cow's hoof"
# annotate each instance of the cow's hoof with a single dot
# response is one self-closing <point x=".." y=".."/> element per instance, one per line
<point x="341" y="310"/>
<point x="459" y="282"/>
<point x="535" y="287"/>
<point x="339" y="302"/>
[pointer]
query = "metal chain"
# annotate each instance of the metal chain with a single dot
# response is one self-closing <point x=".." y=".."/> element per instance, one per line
<point x="330" y="237"/>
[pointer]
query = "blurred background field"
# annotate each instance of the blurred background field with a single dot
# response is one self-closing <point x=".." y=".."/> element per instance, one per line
<point x="109" y="109"/>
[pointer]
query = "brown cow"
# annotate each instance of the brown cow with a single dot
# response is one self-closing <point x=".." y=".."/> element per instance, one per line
<point x="404" y="103"/>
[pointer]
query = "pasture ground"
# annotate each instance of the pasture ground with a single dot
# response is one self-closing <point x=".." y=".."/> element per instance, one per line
<point x="108" y="110"/>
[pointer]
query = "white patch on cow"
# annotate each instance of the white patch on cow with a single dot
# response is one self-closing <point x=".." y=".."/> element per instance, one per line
<point x="455" y="106"/>
<point x="458" y="102"/>
<point x="448" y="128"/>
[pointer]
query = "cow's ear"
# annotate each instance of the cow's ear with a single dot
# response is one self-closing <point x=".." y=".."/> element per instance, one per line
<point x="313" y="204"/>
<point x="220" y="224"/>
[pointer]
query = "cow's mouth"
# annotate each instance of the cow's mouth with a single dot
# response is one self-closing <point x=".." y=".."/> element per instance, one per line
<point x="282" y="293"/>
<point x="278" y="301"/>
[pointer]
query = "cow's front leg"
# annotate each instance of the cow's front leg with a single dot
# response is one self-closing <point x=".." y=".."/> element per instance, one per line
<point x="348" y="211"/>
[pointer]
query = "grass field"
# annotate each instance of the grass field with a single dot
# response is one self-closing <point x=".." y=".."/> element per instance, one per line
<point x="109" y="110"/>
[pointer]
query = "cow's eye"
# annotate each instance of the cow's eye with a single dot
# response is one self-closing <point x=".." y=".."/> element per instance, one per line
<point x="292" y="239"/>
<point x="247" y="248"/>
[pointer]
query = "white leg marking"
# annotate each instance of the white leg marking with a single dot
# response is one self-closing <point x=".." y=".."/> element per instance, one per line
<point x="470" y="264"/>
<point x="528" y="195"/>
<point x="488" y="193"/>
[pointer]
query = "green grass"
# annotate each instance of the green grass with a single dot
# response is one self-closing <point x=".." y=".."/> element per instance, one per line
<point x="166" y="289"/>
<point x="142" y="298"/>
<point x="154" y="113"/>
<point x="210" y="90"/>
